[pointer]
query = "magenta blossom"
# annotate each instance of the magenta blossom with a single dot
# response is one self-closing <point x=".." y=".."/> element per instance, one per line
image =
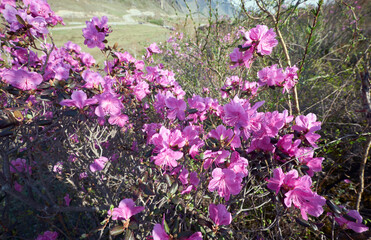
<point x="356" y="225"/>
<point x="176" y="108"/>
<point x="307" y="125"/>
<point x="125" y="210"/>
<point x="95" y="32"/>
<point x="226" y="182"/>
<point x="98" y="164"/>
<point x="271" y="76"/>
<point x="22" y="79"/>
<point x="262" y="39"/>
<point x="109" y="104"/>
<point x="239" y="58"/>
<point x="48" y="235"/>
<point x="78" y="99"/>
<point x="20" y="165"/>
<point x="67" y="199"/>
<point x="159" y="233"/>
<point x="297" y="192"/>
<point x="92" y="79"/>
<point x="219" y="214"/>
<point x="305" y="157"/>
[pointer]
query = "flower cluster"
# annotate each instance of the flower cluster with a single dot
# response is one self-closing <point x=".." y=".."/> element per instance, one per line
<point x="194" y="149"/>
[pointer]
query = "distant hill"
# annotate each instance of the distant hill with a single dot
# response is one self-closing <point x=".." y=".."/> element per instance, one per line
<point x="116" y="8"/>
<point x="224" y="7"/>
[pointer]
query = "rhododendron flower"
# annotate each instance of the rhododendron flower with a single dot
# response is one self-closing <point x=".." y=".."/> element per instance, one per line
<point x="305" y="199"/>
<point x="235" y="114"/>
<point x="48" y="235"/>
<point x="308" y="125"/>
<point x="239" y="164"/>
<point x="108" y="105"/>
<point x="218" y="157"/>
<point x="305" y="157"/>
<point x="141" y="90"/>
<point x="159" y="233"/>
<point x="125" y="210"/>
<point x="193" y="180"/>
<point x="291" y="77"/>
<point x="92" y="79"/>
<point x="239" y="58"/>
<point x="356" y="226"/>
<point x="226" y="182"/>
<point x="67" y="199"/>
<point x="225" y="136"/>
<point x="195" y="236"/>
<point x="297" y="192"/>
<point x="285" y="145"/>
<point x="153" y="48"/>
<point x="167" y="158"/>
<point x="95" y="32"/>
<point x="72" y="47"/>
<point x="20" y="165"/>
<point x="18" y="187"/>
<point x="78" y="99"/>
<point x="262" y="39"/>
<point x="98" y="164"/>
<point x="271" y="76"/>
<point x="176" y="108"/>
<point x="276" y="182"/>
<point x="219" y="214"/>
<point x="22" y="79"/>
<point x="119" y="120"/>
<point x="58" y="167"/>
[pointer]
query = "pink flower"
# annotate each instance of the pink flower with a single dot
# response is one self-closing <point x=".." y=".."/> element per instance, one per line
<point x="297" y="192"/>
<point x="305" y="157"/>
<point x="108" y="105"/>
<point x="239" y="164"/>
<point x="167" y="158"/>
<point x="219" y="214"/>
<point x="58" y="167"/>
<point x="218" y="157"/>
<point x="176" y="108"/>
<point x="235" y="114"/>
<point x="141" y="90"/>
<point x="20" y="165"/>
<point x="95" y="32"/>
<point x="78" y="99"/>
<point x="195" y="236"/>
<point x="98" y="164"/>
<point x="276" y="182"/>
<point x="307" y="201"/>
<point x="356" y="225"/>
<point x="48" y="235"/>
<point x="22" y="79"/>
<point x="271" y="76"/>
<point x="67" y="199"/>
<point x="226" y="182"/>
<point x="125" y="210"/>
<point x="307" y="125"/>
<point x="119" y="120"/>
<point x="92" y="79"/>
<point x="239" y="58"/>
<point x="225" y="136"/>
<point x="192" y="183"/>
<point x="153" y="48"/>
<point x="159" y="232"/>
<point x="18" y="187"/>
<point x="291" y="77"/>
<point x="261" y="38"/>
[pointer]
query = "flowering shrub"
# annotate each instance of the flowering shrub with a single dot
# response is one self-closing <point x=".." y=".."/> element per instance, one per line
<point x="126" y="143"/>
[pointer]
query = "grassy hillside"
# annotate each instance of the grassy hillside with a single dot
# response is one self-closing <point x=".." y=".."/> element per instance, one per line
<point x="131" y="21"/>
